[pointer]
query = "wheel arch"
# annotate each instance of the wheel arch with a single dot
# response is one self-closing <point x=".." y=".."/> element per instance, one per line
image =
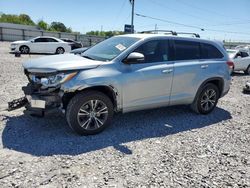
<point x="217" y="81"/>
<point x="108" y="90"/>
<point x="22" y="45"/>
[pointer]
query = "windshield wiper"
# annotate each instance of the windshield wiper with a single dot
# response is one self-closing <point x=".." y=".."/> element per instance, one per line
<point x="88" y="57"/>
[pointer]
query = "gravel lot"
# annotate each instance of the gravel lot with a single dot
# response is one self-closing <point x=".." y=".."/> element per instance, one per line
<point x="168" y="147"/>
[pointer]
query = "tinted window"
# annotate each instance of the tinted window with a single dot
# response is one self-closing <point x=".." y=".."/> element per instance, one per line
<point x="51" y="40"/>
<point x="210" y="52"/>
<point x="41" y="40"/>
<point x="186" y="50"/>
<point x="244" y="54"/>
<point x="154" y="51"/>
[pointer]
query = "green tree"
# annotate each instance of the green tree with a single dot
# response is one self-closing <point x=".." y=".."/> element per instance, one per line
<point x="105" y="33"/>
<point x="57" y="26"/>
<point x="25" y="19"/>
<point x="17" y="19"/>
<point x="43" y="25"/>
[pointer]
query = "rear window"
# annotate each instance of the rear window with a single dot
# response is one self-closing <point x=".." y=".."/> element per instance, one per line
<point x="186" y="50"/>
<point x="209" y="51"/>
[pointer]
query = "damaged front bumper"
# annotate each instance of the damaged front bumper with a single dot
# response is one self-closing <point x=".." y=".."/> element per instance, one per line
<point x="37" y="101"/>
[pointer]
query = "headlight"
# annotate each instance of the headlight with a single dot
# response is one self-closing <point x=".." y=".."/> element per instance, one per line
<point x="13" y="45"/>
<point x="54" y="80"/>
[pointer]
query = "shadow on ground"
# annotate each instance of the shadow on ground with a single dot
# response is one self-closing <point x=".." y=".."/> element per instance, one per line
<point x="51" y="135"/>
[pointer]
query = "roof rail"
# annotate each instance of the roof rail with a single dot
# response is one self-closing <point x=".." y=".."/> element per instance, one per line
<point x="162" y="31"/>
<point x="171" y="32"/>
<point x="186" y="33"/>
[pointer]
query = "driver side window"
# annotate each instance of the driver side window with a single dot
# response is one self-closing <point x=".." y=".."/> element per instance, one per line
<point x="154" y="51"/>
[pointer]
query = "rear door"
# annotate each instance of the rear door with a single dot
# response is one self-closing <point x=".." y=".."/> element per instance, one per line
<point x="51" y="45"/>
<point x="188" y="68"/>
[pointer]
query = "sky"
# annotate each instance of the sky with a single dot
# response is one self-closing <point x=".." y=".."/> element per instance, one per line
<point x="220" y="19"/>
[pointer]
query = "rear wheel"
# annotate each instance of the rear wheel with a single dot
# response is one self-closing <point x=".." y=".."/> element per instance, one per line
<point x="247" y="71"/>
<point x="89" y="113"/>
<point x="60" y="50"/>
<point x="24" y="49"/>
<point x="206" y="100"/>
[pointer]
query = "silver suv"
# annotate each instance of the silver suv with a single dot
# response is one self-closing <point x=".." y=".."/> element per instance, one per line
<point x="124" y="74"/>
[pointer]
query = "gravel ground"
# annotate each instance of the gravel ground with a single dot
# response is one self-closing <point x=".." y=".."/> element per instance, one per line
<point x="168" y="147"/>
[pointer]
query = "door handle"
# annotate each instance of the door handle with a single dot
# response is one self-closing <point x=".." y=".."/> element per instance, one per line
<point x="167" y="71"/>
<point x="204" y="66"/>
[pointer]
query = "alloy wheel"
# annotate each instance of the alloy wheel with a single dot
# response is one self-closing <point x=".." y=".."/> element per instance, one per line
<point x="208" y="99"/>
<point x="24" y="50"/>
<point x="92" y="114"/>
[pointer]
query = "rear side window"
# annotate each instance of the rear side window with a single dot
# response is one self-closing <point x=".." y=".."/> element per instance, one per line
<point x="51" y="40"/>
<point x="209" y="51"/>
<point x="186" y="50"/>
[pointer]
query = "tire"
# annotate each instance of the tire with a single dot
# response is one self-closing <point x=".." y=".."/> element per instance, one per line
<point x="247" y="71"/>
<point x="60" y="50"/>
<point x="89" y="112"/>
<point x="206" y="100"/>
<point x="24" y="49"/>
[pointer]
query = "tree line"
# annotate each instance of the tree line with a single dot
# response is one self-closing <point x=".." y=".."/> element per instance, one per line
<point x="53" y="26"/>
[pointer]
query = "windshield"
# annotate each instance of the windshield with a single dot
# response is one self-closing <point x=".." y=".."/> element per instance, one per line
<point x="110" y="48"/>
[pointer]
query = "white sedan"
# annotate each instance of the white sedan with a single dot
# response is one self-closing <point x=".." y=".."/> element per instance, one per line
<point x="41" y="45"/>
<point x="241" y="60"/>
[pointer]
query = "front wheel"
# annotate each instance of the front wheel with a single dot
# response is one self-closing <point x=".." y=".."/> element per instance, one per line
<point x="60" y="50"/>
<point x="89" y="113"/>
<point x="24" y="49"/>
<point x="206" y="100"/>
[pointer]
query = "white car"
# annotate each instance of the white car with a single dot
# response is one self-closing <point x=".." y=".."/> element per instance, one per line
<point x="241" y="60"/>
<point x="41" y="45"/>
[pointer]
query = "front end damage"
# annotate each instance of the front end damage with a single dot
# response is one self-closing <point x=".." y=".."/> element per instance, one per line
<point x="42" y="94"/>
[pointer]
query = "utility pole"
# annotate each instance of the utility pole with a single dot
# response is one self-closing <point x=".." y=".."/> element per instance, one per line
<point x="155" y="27"/>
<point x="132" y="17"/>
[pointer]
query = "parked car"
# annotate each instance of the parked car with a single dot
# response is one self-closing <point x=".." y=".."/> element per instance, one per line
<point x="72" y="43"/>
<point x="241" y="60"/>
<point x="41" y="44"/>
<point x="79" y="50"/>
<point x="127" y="73"/>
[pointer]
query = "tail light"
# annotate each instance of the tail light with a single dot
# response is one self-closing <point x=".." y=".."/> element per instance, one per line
<point x="230" y="64"/>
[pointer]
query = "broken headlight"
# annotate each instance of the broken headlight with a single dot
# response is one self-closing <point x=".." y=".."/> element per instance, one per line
<point x="53" y="80"/>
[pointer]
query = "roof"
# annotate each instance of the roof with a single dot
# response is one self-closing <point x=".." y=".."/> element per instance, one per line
<point x="150" y="35"/>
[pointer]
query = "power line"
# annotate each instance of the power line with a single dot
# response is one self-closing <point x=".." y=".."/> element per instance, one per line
<point x="191" y="26"/>
<point x="163" y="20"/>
<point x="177" y="10"/>
<point x="208" y="10"/>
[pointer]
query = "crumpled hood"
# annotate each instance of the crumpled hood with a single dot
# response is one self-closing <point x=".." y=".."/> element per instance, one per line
<point x="60" y="63"/>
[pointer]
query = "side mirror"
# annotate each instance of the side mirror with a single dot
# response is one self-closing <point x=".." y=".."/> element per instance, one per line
<point x="134" y="57"/>
<point x="32" y="41"/>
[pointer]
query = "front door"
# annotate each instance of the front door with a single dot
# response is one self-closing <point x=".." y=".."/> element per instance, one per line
<point x="148" y="84"/>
